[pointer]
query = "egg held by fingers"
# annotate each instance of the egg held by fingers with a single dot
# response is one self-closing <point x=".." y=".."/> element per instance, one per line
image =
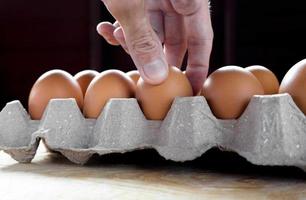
<point x="156" y="100"/>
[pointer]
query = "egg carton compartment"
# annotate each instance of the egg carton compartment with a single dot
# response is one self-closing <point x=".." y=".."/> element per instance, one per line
<point x="271" y="131"/>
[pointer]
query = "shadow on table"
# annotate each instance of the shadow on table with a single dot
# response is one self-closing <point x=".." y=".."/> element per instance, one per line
<point x="145" y="164"/>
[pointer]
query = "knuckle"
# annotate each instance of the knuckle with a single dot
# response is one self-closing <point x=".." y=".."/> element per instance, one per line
<point x="175" y="41"/>
<point x="145" y="43"/>
<point x="199" y="42"/>
<point x="144" y="46"/>
<point x="180" y="43"/>
<point x="186" y="7"/>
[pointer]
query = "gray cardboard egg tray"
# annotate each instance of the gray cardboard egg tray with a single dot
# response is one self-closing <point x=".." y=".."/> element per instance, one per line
<point x="271" y="131"/>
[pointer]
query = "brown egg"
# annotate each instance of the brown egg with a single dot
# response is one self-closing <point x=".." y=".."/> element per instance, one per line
<point x="266" y="77"/>
<point x="51" y="85"/>
<point x="109" y="84"/>
<point x="229" y="90"/>
<point x="156" y="100"/>
<point x="134" y="75"/>
<point x="84" y="78"/>
<point x="294" y="83"/>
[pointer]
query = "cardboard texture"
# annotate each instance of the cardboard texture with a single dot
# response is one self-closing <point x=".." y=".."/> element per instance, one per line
<point x="271" y="131"/>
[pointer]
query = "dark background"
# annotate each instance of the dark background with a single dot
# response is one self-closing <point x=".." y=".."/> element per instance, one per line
<point x="36" y="36"/>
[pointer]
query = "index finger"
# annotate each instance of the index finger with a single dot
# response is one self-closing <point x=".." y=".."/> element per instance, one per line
<point x="199" y="41"/>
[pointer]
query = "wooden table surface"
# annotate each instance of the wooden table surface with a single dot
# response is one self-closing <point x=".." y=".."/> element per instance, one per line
<point x="144" y="175"/>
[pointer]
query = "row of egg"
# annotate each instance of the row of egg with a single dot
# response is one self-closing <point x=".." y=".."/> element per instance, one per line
<point x="228" y="90"/>
<point x="92" y="90"/>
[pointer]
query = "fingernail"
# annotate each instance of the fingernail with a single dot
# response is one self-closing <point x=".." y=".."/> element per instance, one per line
<point x="156" y="71"/>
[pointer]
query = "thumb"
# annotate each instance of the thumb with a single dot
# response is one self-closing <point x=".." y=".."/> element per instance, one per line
<point x="141" y="41"/>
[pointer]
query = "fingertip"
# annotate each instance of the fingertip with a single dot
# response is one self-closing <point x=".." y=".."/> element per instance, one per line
<point x="155" y="72"/>
<point x="119" y="35"/>
<point x="106" y="30"/>
<point x="103" y="27"/>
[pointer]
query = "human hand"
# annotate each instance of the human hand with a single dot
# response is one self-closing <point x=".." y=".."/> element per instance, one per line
<point x="158" y="32"/>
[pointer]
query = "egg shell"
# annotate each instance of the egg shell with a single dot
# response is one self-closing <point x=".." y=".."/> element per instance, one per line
<point x="134" y="75"/>
<point x="266" y="77"/>
<point x="229" y="90"/>
<point x="109" y="84"/>
<point x="84" y="78"/>
<point x="294" y="83"/>
<point x="52" y="85"/>
<point x="156" y="100"/>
